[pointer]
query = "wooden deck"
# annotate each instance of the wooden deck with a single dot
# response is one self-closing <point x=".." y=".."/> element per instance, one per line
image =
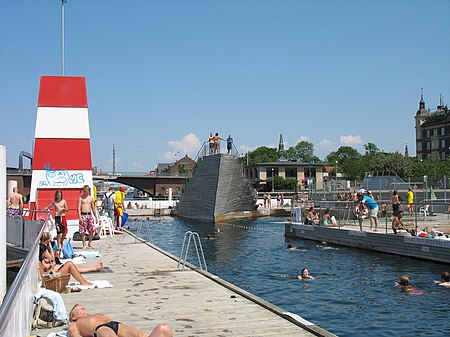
<point x="148" y="289"/>
<point x="383" y="240"/>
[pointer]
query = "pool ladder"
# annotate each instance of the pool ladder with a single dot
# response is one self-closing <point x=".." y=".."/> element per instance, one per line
<point x="198" y="249"/>
<point x="143" y="225"/>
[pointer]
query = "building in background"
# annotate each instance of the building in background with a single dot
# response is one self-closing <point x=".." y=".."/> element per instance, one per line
<point x="432" y="131"/>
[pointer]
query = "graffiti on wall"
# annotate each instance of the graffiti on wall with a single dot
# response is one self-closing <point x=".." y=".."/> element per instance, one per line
<point x="61" y="178"/>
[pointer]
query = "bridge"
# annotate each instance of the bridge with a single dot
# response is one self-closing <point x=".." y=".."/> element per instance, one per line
<point x="154" y="185"/>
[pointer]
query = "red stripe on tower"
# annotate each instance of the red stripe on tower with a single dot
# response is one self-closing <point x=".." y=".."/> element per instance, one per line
<point x="63" y="91"/>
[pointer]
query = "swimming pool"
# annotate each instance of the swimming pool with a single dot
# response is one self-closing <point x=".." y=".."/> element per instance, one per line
<point x="353" y="293"/>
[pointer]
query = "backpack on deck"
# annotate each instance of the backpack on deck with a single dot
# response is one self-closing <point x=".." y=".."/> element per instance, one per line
<point x="67" y="250"/>
<point x="109" y="201"/>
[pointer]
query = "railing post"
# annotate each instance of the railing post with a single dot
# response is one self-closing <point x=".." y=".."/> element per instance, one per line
<point x="3" y="221"/>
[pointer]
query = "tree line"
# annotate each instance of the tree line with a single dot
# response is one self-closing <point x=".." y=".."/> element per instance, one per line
<point x="352" y="164"/>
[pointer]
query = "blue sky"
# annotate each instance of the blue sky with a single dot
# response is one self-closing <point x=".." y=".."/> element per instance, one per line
<point x="162" y="75"/>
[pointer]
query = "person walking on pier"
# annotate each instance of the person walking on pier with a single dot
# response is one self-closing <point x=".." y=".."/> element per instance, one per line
<point x="372" y="207"/>
<point x="83" y="324"/>
<point x="15" y="203"/>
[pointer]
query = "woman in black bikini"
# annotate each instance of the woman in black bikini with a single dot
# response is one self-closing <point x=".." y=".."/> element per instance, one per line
<point x="85" y="325"/>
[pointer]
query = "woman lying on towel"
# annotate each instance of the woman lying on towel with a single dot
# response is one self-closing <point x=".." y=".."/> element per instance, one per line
<point x="48" y="262"/>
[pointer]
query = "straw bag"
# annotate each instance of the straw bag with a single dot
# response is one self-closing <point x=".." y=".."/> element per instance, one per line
<point x="56" y="282"/>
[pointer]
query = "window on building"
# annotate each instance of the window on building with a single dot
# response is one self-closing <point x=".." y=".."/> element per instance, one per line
<point x="269" y="172"/>
<point x="442" y="131"/>
<point x="434" y="143"/>
<point x="419" y="147"/>
<point x="435" y="132"/>
<point x="428" y="133"/>
<point x="443" y="143"/>
<point x="291" y="172"/>
<point x="443" y="155"/>
<point x="428" y="146"/>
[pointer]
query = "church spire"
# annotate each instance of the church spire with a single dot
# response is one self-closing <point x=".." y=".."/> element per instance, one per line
<point x="281" y="143"/>
<point x="422" y="102"/>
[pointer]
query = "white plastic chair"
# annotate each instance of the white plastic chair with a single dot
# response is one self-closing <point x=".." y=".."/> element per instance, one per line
<point x="424" y="210"/>
<point x="106" y="226"/>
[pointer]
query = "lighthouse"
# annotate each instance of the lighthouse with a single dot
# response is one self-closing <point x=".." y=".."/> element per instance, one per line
<point x="62" y="148"/>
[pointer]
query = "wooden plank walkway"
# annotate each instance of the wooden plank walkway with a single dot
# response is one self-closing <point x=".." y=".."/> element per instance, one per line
<point x="148" y="289"/>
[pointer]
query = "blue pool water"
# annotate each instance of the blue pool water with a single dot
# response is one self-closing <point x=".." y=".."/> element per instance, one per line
<point x="353" y="293"/>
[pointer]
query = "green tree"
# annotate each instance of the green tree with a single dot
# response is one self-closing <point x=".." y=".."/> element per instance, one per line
<point x="348" y="163"/>
<point x="262" y="154"/>
<point x="302" y="152"/>
<point x="371" y="149"/>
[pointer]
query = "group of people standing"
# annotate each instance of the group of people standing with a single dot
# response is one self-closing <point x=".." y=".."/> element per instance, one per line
<point x="214" y="143"/>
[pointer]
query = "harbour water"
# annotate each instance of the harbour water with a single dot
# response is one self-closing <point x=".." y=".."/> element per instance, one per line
<point x="354" y="292"/>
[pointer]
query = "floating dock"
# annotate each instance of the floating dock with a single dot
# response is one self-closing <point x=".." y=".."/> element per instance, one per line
<point x="149" y="289"/>
<point x="383" y="241"/>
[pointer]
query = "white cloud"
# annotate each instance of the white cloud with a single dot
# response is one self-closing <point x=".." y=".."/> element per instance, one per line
<point x="189" y="144"/>
<point x="351" y="140"/>
<point x="137" y="165"/>
<point x="301" y="139"/>
<point x="246" y="148"/>
<point x="325" y="144"/>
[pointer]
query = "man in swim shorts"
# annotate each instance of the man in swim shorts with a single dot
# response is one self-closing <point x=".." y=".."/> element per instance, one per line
<point x="84" y="324"/>
<point x="15" y="203"/>
<point x="86" y="220"/>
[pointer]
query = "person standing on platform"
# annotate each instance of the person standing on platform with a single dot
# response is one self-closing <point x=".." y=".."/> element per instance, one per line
<point x="61" y="209"/>
<point x="119" y="206"/>
<point x="410" y="200"/>
<point x="229" y="144"/>
<point x="212" y="145"/>
<point x="15" y="203"/>
<point x="372" y="206"/>
<point x="86" y="208"/>
<point x="217" y="140"/>
<point x="395" y="203"/>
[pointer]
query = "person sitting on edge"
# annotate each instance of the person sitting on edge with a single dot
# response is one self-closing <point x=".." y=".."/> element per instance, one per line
<point x="311" y="217"/>
<point x="304" y="275"/>
<point x="397" y="222"/>
<point x="325" y="218"/>
<point x="445" y="279"/>
<point x="84" y="324"/>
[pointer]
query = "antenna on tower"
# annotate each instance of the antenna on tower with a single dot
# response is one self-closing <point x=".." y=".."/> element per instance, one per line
<point x="114" y="160"/>
<point x="421" y="93"/>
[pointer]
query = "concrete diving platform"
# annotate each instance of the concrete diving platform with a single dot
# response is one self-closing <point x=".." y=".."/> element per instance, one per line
<point x="149" y="289"/>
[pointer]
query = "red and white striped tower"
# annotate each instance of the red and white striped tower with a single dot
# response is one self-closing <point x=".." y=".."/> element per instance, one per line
<point x="62" y="148"/>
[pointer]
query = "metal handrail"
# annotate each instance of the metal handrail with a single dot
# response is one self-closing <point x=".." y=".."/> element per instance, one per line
<point x="196" y="238"/>
<point x="141" y="223"/>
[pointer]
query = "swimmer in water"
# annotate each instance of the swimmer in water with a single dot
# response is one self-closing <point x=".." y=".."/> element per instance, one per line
<point x="406" y="286"/>
<point x="304" y="275"/>
<point x="445" y="279"/>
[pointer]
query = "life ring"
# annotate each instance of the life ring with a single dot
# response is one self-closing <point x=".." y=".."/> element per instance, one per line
<point x="365" y="211"/>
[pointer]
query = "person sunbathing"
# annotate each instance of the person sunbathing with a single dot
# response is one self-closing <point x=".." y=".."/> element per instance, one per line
<point x="84" y="324"/>
<point x="48" y="263"/>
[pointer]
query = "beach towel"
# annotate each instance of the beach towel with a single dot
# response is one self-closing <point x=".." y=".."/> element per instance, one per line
<point x="95" y="284"/>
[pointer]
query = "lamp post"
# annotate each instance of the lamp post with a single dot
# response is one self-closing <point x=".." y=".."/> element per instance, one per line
<point x="335" y="177"/>
<point x="273" y="180"/>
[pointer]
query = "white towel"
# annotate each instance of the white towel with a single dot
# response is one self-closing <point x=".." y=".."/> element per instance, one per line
<point x="95" y="284"/>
